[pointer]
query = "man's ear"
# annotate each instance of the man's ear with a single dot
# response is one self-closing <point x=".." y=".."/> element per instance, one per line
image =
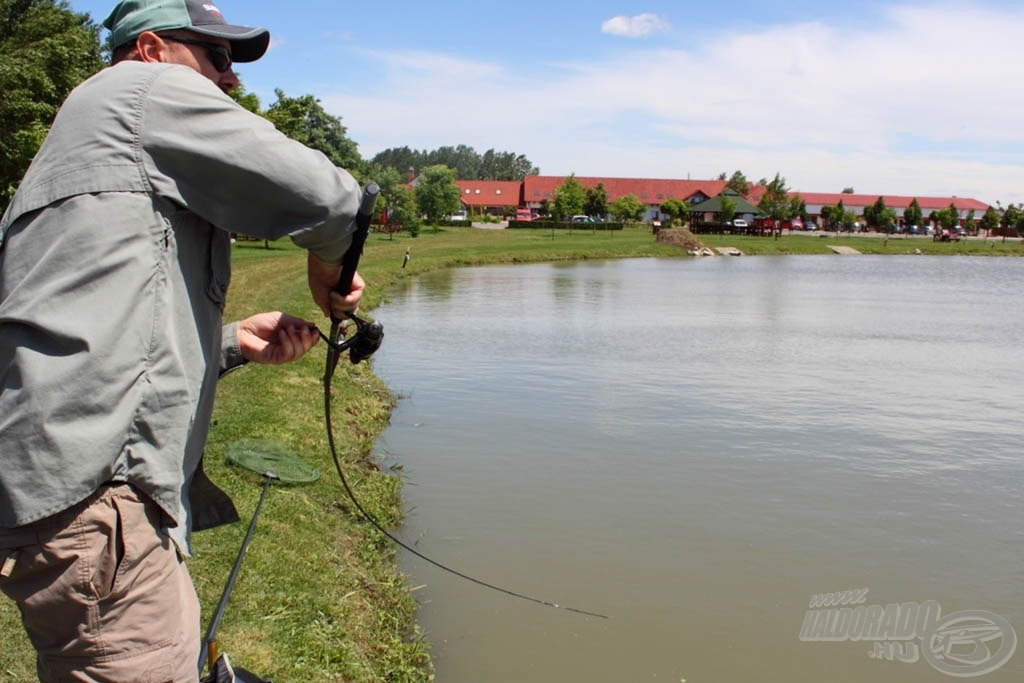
<point x="151" y="47"/>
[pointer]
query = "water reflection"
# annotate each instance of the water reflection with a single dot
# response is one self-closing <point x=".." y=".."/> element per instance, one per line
<point x="697" y="447"/>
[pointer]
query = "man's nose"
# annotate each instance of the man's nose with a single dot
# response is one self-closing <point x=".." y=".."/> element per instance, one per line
<point x="228" y="81"/>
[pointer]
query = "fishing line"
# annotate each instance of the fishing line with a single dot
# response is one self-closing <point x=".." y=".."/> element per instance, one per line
<point x="372" y="520"/>
<point x="361" y="345"/>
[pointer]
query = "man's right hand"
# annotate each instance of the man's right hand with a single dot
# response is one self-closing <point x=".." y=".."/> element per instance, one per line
<point x="322" y="280"/>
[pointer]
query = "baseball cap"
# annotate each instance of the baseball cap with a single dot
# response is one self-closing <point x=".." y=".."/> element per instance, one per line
<point x="132" y="17"/>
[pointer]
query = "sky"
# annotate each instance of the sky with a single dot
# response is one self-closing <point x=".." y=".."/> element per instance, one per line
<point x="905" y="98"/>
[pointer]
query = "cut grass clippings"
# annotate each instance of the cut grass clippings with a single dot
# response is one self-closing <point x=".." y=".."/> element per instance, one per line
<point x="319" y="598"/>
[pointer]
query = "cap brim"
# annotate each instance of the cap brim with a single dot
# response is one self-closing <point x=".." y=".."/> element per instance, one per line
<point x="247" y="44"/>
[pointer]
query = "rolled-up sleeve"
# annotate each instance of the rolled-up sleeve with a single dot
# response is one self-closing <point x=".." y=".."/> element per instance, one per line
<point x="235" y="170"/>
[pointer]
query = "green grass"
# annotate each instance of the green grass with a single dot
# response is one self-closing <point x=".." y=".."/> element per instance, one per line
<point x="319" y="598"/>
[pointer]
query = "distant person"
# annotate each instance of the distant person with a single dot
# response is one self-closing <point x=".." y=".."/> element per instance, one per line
<point x="114" y="266"/>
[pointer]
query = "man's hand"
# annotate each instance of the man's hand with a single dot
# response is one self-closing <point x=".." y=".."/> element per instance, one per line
<point x="275" y="338"/>
<point x="322" y="279"/>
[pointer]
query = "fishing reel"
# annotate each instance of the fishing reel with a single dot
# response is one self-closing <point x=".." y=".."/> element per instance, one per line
<point x="364" y="343"/>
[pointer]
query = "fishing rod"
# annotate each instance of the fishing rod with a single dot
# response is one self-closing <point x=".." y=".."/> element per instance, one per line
<point x="361" y="345"/>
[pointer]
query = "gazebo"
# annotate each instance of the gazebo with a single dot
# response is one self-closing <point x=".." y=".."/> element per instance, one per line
<point x="707" y="216"/>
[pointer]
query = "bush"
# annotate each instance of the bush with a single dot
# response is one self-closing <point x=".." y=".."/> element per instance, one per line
<point x="565" y="225"/>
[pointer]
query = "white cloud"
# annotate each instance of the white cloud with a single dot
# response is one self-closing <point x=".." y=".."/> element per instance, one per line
<point x="640" y="26"/>
<point x="921" y="103"/>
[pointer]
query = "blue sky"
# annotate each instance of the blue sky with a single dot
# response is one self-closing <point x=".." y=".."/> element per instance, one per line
<point x="917" y="98"/>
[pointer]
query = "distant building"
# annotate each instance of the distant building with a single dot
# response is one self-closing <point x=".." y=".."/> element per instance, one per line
<point x="650" y="191"/>
<point x="899" y="203"/>
<point x="496" y="197"/>
<point x="501" y="197"/>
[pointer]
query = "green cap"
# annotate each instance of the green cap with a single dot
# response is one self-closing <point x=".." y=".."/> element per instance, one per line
<point x="132" y="17"/>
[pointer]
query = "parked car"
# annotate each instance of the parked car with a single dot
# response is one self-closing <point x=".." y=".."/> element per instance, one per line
<point x="459" y="216"/>
<point x="525" y="215"/>
<point x="739" y="223"/>
<point x="580" y="219"/>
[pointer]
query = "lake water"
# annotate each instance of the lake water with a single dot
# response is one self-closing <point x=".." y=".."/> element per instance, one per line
<point x="695" y="448"/>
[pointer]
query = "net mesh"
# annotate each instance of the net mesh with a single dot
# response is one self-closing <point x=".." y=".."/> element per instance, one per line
<point x="262" y="457"/>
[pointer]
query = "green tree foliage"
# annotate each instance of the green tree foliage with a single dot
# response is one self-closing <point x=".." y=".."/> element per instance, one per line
<point x="437" y="195"/>
<point x="595" y="202"/>
<point x="46" y="49"/>
<point x="676" y="209"/>
<point x="248" y="100"/>
<point x="628" y="208"/>
<point x="304" y="119"/>
<point x="738" y="183"/>
<point x="847" y="190"/>
<point x="990" y="221"/>
<point x="913" y="214"/>
<point x="951" y="216"/>
<point x="467" y="163"/>
<point x="837" y="217"/>
<point x="569" y="198"/>
<point x="1010" y="217"/>
<point x="871" y="212"/>
<point x="728" y="211"/>
<point x="397" y="202"/>
<point x="878" y="215"/>
<point x="775" y="202"/>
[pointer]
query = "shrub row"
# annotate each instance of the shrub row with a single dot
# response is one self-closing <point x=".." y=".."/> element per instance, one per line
<point x="565" y="225"/>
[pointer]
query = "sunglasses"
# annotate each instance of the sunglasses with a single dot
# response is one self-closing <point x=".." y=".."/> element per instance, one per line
<point x="219" y="56"/>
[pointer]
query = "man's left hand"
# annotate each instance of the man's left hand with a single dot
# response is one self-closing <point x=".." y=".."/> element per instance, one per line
<point x="275" y="338"/>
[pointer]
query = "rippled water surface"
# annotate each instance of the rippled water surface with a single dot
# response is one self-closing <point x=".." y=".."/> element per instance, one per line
<point x="695" y="448"/>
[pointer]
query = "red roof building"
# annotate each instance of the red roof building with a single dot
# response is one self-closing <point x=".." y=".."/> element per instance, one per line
<point x="490" y="196"/>
<point x="650" y="191"/>
<point x="503" y="197"/>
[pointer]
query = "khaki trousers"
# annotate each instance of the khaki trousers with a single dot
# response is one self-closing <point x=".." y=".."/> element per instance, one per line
<point x="104" y="595"/>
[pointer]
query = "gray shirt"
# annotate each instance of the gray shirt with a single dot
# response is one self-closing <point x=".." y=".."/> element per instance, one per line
<point x="114" y="265"/>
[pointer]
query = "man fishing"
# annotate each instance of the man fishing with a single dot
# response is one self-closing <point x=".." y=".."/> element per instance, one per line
<point x="114" y="266"/>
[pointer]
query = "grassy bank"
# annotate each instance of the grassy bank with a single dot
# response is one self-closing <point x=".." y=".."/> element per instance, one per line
<point x="319" y="598"/>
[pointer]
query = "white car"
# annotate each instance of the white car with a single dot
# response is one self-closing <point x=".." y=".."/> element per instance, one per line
<point x="739" y="223"/>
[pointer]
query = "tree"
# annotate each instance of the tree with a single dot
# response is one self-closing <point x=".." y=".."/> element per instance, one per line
<point x="728" y="211"/>
<point x="775" y="202"/>
<point x="545" y="207"/>
<point x="248" y="100"/>
<point x="847" y="190"/>
<point x="396" y="200"/>
<point x="304" y="119"/>
<point x="677" y="210"/>
<point x="1010" y="217"/>
<point x="873" y="213"/>
<point x="569" y="198"/>
<point x="628" y="208"/>
<point x="46" y="49"/>
<point x="949" y="217"/>
<point x="913" y="214"/>
<point x="437" y="195"/>
<point x="505" y="166"/>
<point x="468" y="164"/>
<point x="738" y="183"/>
<point x="595" y="201"/>
<point x="990" y="221"/>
